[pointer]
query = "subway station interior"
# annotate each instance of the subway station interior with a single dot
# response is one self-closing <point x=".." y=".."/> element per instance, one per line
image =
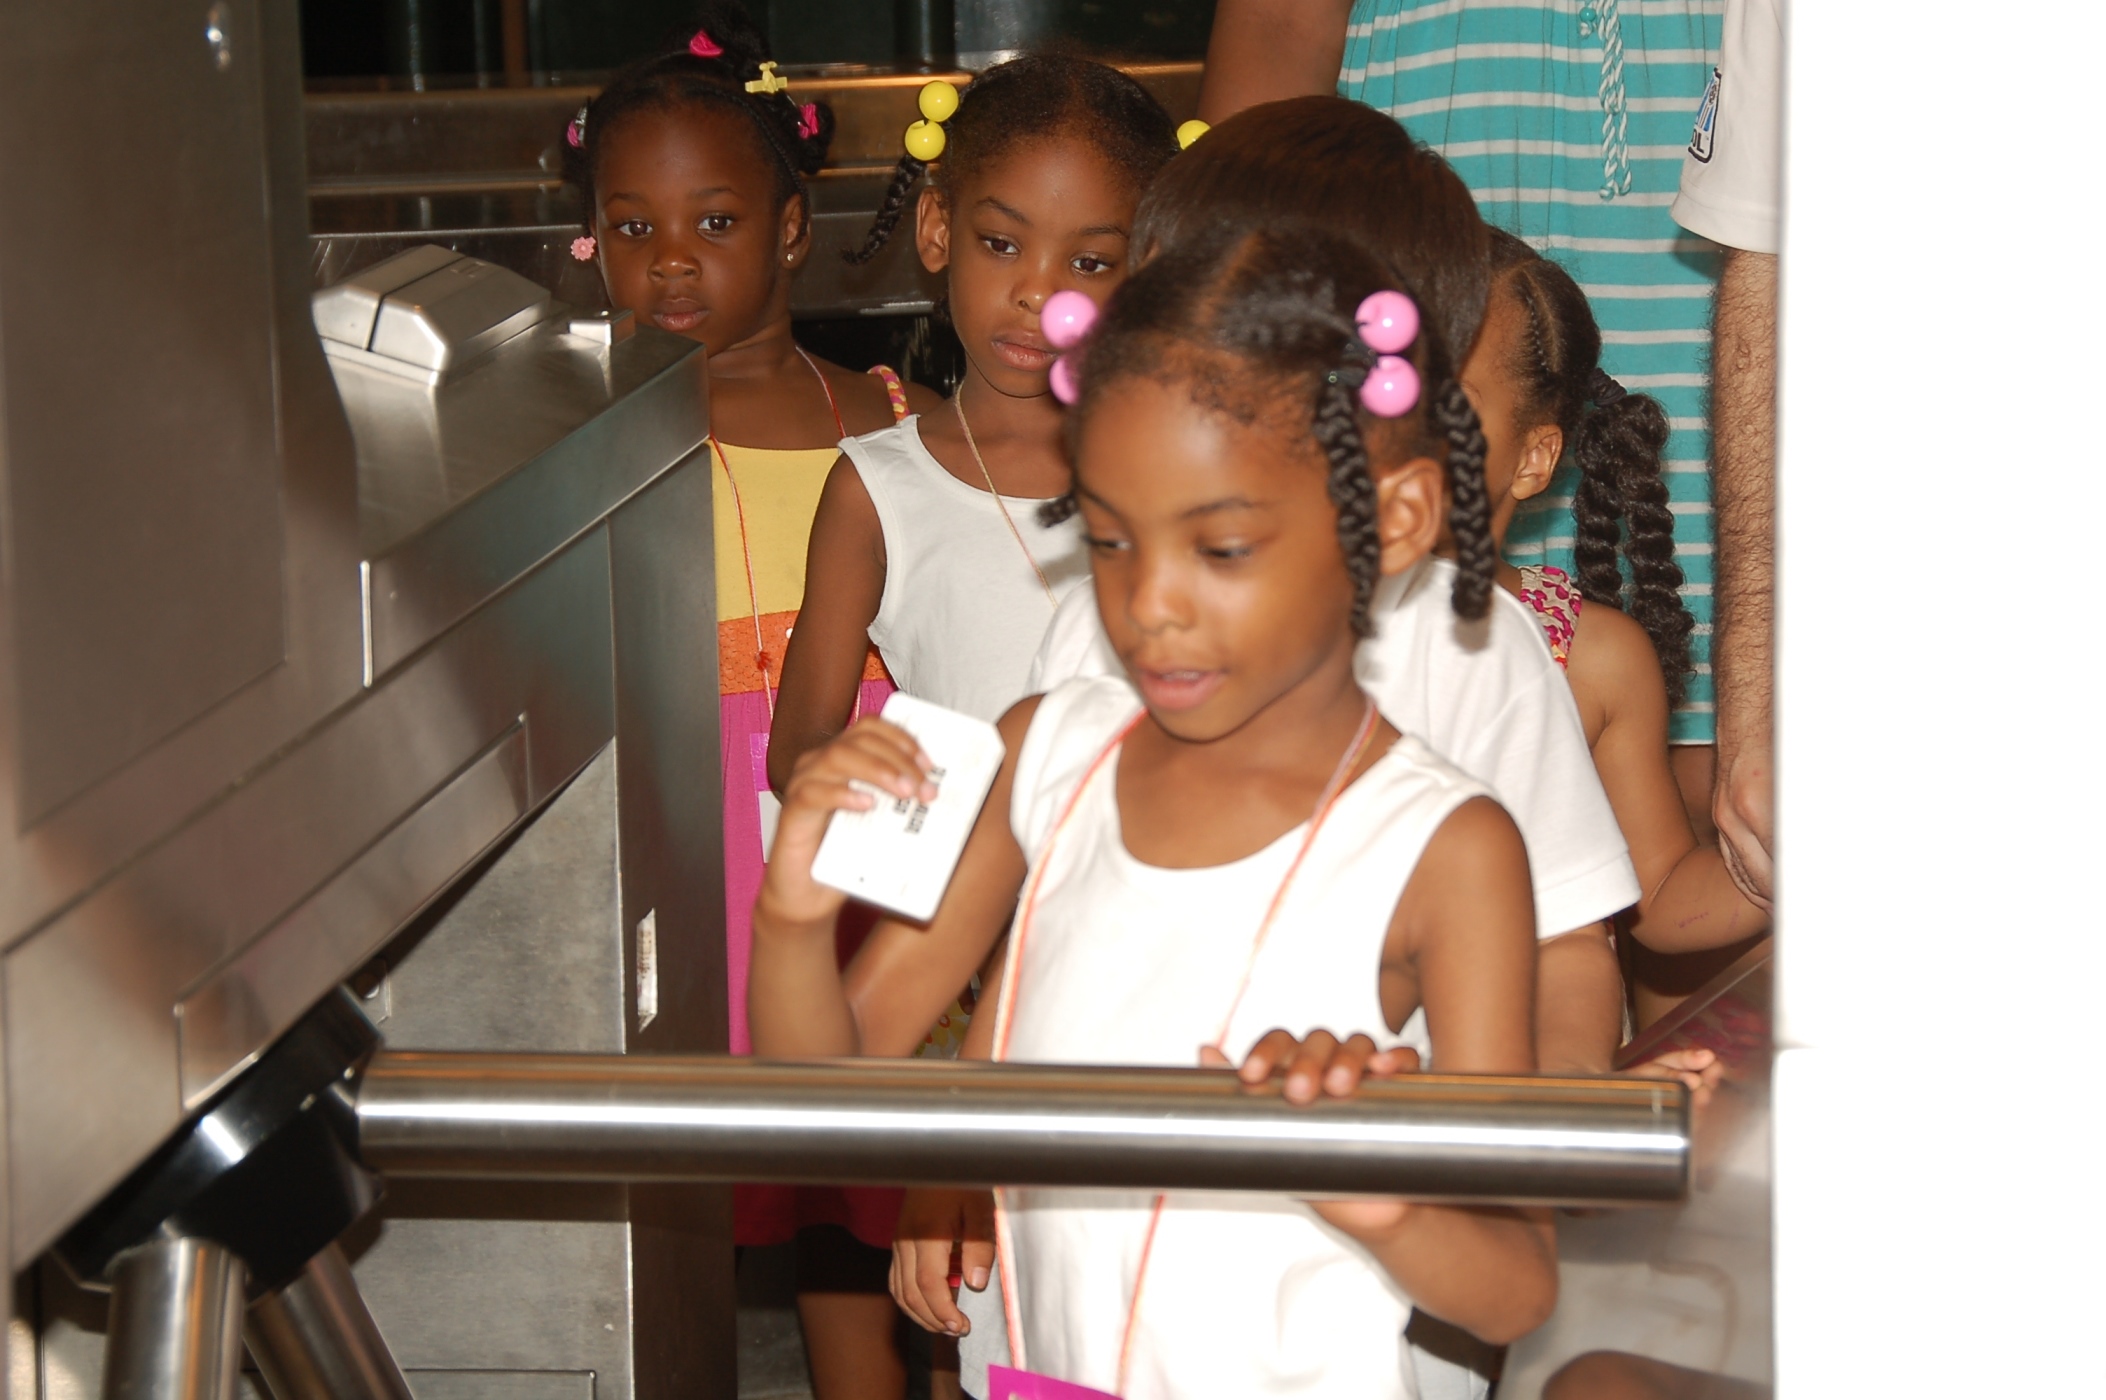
<point x="366" y="1024"/>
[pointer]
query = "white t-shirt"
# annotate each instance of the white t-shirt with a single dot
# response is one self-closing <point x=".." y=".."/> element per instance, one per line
<point x="1486" y="696"/>
<point x="963" y="611"/>
<point x="1128" y="963"/>
<point x="1732" y="177"/>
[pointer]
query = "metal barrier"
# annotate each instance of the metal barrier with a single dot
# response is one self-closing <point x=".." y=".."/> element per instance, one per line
<point x="713" y="1118"/>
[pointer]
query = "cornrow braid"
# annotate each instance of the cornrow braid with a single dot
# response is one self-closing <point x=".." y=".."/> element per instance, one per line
<point x="1469" y="502"/>
<point x="1620" y="506"/>
<point x="794" y="138"/>
<point x="1032" y="98"/>
<point x="890" y="208"/>
<point x="1351" y="485"/>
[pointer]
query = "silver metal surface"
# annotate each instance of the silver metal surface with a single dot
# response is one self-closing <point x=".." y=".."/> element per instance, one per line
<point x="175" y="1323"/>
<point x="314" y="1340"/>
<point x="347" y="311"/>
<point x="586" y="1118"/>
<point x="604" y="327"/>
<point x="1688" y="1288"/>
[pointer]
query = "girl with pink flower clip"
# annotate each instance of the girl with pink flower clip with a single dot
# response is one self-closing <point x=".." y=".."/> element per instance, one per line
<point x="693" y="167"/>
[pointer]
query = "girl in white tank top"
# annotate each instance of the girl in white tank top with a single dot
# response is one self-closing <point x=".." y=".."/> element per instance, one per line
<point x="1216" y="858"/>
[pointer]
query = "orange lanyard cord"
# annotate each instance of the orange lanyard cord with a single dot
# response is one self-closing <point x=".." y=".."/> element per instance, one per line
<point x="1012" y="971"/>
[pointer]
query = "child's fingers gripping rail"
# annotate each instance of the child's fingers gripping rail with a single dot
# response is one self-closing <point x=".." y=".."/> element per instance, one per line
<point x="846" y="775"/>
<point x="1321" y="1064"/>
<point x="945" y="1239"/>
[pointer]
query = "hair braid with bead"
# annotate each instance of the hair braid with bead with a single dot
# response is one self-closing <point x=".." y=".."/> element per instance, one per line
<point x="1248" y="321"/>
<point x="1620" y="506"/>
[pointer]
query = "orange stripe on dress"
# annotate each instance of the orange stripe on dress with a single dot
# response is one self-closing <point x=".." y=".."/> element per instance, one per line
<point x="739" y="671"/>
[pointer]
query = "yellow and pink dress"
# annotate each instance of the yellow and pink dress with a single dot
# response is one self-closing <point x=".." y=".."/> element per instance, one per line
<point x="764" y="501"/>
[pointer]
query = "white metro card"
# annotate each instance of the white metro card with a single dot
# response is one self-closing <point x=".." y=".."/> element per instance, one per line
<point x="900" y="853"/>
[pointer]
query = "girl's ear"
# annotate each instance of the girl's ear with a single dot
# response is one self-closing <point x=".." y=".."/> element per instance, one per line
<point x="932" y="230"/>
<point x="1409" y="512"/>
<point x="1540" y="451"/>
<point x="796" y="229"/>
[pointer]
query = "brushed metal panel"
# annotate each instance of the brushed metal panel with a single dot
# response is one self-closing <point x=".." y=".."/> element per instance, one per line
<point x="540" y="465"/>
<point x="530" y="957"/>
<point x="347" y="312"/>
<point x="503" y="1295"/>
<point x="90" y="998"/>
<point x="254" y="999"/>
<point x="47" y="864"/>
<point x="501" y="1385"/>
<point x="142" y="596"/>
<point x="666" y="714"/>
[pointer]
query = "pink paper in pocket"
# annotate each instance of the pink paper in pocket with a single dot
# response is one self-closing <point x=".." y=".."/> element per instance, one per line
<point x="1004" y="1383"/>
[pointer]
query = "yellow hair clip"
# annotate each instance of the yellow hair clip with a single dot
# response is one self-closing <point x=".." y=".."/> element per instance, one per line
<point x="1191" y="131"/>
<point x="769" y="80"/>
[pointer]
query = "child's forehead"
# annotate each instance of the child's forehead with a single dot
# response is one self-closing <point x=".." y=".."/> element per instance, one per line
<point x="1052" y="174"/>
<point x="686" y="142"/>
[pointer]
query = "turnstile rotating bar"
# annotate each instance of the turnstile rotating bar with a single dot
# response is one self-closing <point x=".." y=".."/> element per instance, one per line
<point x="1459" y="1138"/>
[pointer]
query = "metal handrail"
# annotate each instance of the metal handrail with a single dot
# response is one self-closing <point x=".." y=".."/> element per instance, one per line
<point x="1466" y="1138"/>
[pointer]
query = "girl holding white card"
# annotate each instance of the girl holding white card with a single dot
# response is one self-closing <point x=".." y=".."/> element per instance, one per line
<point x="1224" y="854"/>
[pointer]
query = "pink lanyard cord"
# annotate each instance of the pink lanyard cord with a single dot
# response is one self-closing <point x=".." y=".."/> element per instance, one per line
<point x="1005" y="1249"/>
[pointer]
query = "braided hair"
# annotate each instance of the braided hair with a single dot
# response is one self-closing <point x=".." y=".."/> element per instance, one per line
<point x="793" y="142"/>
<point x="1621" y="502"/>
<point x="1256" y="318"/>
<point x="1032" y="98"/>
<point x="1346" y="167"/>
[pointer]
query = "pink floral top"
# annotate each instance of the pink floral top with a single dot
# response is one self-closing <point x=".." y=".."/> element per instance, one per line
<point x="1557" y="603"/>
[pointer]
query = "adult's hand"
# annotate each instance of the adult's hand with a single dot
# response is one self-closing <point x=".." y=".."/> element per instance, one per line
<point x="1266" y="50"/>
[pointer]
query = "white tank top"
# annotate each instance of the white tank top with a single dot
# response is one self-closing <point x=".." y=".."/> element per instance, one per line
<point x="963" y="612"/>
<point x="1127" y="963"/>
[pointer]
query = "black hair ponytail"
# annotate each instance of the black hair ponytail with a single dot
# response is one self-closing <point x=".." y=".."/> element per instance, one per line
<point x="904" y="176"/>
<point x="1615" y="438"/>
<point x="1622" y="500"/>
<point x="1351" y="485"/>
<point x="1469" y="503"/>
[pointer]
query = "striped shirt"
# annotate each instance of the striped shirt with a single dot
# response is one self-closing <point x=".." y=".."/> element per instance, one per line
<point x="1515" y="96"/>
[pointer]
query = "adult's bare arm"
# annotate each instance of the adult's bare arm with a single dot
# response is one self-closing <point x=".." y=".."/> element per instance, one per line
<point x="1743" y="496"/>
<point x="1264" y="50"/>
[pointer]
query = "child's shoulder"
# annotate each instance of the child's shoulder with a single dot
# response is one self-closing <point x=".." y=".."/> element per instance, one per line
<point x="1073" y="726"/>
<point x="872" y="401"/>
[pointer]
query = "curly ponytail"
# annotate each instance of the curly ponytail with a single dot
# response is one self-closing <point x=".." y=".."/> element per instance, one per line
<point x="1615" y="438"/>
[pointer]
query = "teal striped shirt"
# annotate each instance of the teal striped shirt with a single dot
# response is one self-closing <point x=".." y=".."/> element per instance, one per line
<point x="1511" y="93"/>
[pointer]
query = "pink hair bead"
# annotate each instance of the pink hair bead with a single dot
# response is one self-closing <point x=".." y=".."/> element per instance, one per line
<point x="1388" y="321"/>
<point x="1066" y="318"/>
<point x="1062" y="379"/>
<point x="1391" y="389"/>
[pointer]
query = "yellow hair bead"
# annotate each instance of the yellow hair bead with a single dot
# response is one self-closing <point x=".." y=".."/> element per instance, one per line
<point x="769" y="81"/>
<point x="1189" y="132"/>
<point x="938" y="101"/>
<point x="925" y="141"/>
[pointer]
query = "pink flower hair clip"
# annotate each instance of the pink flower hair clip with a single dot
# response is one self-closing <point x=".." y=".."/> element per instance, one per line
<point x="808" y="121"/>
<point x="702" y="46"/>
<point x="584" y="247"/>
<point x="575" y="132"/>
